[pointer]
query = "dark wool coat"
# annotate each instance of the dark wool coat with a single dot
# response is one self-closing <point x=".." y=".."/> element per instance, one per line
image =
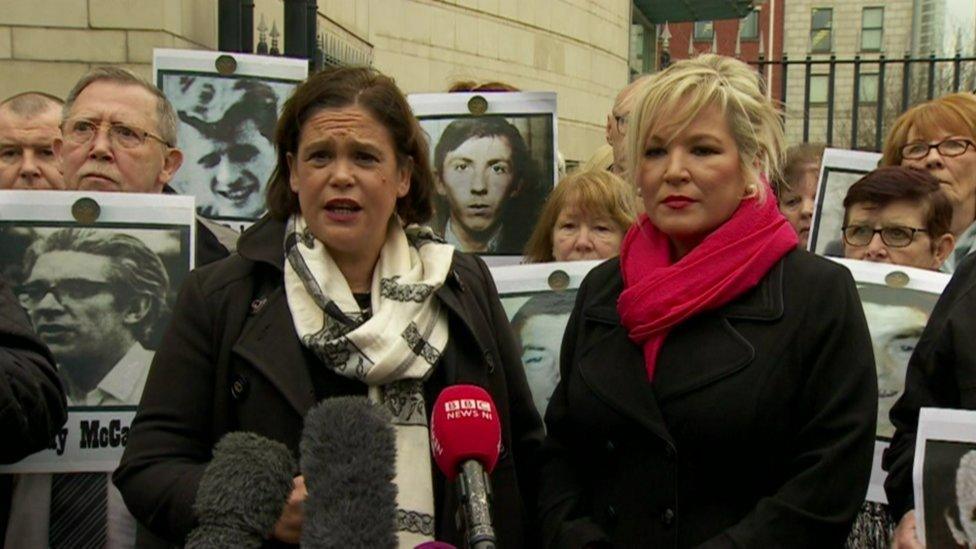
<point x="32" y="402"/>
<point x="758" y="430"/>
<point x="941" y="374"/>
<point x="231" y="361"/>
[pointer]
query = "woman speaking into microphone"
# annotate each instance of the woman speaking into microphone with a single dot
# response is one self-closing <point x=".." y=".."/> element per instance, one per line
<point x="717" y="385"/>
<point x="337" y="291"/>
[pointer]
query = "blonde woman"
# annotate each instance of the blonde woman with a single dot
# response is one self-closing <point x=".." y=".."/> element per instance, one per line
<point x="717" y="385"/>
<point x="585" y="217"/>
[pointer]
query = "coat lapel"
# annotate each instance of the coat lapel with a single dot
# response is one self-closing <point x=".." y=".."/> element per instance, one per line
<point x="708" y="348"/>
<point x="281" y="359"/>
<point x="613" y="368"/>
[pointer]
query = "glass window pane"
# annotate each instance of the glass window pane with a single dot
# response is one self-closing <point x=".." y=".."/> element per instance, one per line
<point x="873" y="18"/>
<point x="750" y="25"/>
<point x="821" y="18"/>
<point x="818" y="88"/>
<point x="703" y="30"/>
<point x="871" y="39"/>
<point x="868" y="92"/>
<point x="820" y="40"/>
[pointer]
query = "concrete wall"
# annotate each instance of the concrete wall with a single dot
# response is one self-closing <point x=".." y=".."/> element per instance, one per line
<point x="48" y="44"/>
<point x="577" y="48"/>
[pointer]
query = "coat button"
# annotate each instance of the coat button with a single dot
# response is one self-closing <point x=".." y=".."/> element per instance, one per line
<point x="667" y="517"/>
<point x="610" y="446"/>
<point x="238" y="388"/>
<point x="490" y="361"/>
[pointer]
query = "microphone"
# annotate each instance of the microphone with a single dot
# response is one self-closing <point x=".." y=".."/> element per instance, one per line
<point x="242" y="492"/>
<point x="465" y="435"/>
<point x="348" y="457"/>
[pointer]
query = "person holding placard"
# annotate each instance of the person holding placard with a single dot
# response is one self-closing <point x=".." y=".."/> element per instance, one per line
<point x="339" y="291"/>
<point x="717" y="384"/>
<point x="941" y="374"/>
<point x="939" y="136"/>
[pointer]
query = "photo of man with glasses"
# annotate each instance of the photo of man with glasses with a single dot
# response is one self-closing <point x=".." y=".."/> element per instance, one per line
<point x="898" y="215"/>
<point x="96" y="298"/>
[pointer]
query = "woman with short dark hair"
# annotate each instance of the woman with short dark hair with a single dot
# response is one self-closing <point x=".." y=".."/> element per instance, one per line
<point x="337" y="292"/>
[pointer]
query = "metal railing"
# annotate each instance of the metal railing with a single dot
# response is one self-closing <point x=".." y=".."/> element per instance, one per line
<point x="900" y="83"/>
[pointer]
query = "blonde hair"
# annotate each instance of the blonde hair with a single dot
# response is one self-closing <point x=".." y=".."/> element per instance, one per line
<point x="676" y="95"/>
<point x="596" y="192"/>
<point x="955" y="112"/>
<point x="602" y="159"/>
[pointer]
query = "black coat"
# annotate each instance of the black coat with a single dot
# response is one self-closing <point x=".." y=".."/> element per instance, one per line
<point x="231" y="361"/>
<point x="941" y="374"/>
<point x="32" y="402"/>
<point x="758" y="430"/>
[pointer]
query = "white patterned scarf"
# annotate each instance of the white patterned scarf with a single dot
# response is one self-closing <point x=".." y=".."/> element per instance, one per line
<point x="392" y="348"/>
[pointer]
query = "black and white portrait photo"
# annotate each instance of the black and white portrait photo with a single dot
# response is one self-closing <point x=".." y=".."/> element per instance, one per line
<point x="99" y="298"/>
<point x="97" y="274"/>
<point x="539" y="322"/>
<point x="949" y="478"/>
<point x="492" y="171"/>
<point x="226" y="129"/>
<point x="839" y="170"/>
<point x="538" y="299"/>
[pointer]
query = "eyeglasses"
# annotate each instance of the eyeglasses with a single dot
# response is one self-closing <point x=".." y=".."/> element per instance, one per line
<point x="895" y="236"/>
<point x="81" y="131"/>
<point x="74" y="289"/>
<point x="947" y="148"/>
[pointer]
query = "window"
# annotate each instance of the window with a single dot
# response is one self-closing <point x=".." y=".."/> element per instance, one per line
<point x="818" y="89"/>
<point x="871" y="21"/>
<point x="868" y="90"/>
<point x="820" y="35"/>
<point x="704" y="30"/>
<point x="642" y="45"/>
<point x="749" y="26"/>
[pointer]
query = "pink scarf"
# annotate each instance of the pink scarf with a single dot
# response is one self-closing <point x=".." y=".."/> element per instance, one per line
<point x="659" y="295"/>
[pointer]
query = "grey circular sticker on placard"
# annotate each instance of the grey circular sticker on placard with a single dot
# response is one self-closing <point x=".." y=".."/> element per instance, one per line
<point x="558" y="280"/>
<point x="897" y="279"/>
<point x="477" y="105"/>
<point x="85" y="211"/>
<point x="225" y="65"/>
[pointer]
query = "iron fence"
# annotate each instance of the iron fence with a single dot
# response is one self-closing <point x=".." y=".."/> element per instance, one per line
<point x="844" y="108"/>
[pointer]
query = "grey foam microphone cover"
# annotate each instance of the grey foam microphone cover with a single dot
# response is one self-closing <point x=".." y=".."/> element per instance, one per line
<point x="242" y="492"/>
<point x="348" y="457"/>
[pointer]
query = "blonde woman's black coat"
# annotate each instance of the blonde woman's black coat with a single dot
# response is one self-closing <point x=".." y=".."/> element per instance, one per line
<point x="758" y="430"/>
<point x="231" y="361"/>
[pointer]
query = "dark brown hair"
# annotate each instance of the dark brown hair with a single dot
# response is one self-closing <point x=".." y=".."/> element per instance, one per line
<point x="339" y="87"/>
<point x="472" y="86"/>
<point x="894" y="184"/>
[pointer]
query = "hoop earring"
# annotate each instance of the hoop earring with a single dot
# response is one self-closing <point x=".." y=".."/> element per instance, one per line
<point x="751" y="192"/>
<point x="640" y="193"/>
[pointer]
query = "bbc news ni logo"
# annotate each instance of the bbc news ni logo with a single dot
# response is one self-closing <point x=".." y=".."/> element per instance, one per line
<point x="468" y="408"/>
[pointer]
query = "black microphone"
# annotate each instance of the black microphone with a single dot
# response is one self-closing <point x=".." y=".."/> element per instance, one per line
<point x="348" y="457"/>
<point x="465" y="435"/>
<point x="242" y="492"/>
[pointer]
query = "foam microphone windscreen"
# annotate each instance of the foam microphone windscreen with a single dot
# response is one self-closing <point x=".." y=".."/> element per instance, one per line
<point x="464" y="426"/>
<point x="242" y="492"/>
<point x="348" y="457"/>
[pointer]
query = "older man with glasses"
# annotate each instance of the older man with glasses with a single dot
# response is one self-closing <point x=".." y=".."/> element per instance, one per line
<point x="898" y="215"/>
<point x="617" y="122"/>
<point x="119" y="134"/>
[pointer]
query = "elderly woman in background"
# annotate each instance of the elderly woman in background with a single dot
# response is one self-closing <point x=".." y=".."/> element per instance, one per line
<point x="939" y="136"/>
<point x="335" y="293"/>
<point x="487" y="185"/>
<point x="797" y="188"/>
<point x="585" y="217"/>
<point x="707" y="395"/>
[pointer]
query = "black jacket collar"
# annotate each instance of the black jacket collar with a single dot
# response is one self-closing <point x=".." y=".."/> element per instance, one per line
<point x="264" y="242"/>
